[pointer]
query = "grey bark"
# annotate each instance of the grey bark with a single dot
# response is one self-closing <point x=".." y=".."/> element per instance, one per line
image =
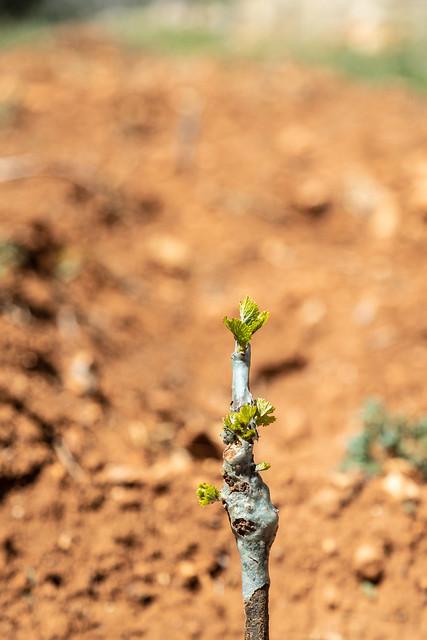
<point x="253" y="518"/>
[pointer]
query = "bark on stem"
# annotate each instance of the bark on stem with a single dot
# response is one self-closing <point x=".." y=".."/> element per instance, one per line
<point x="253" y="518"/>
<point x="241" y="365"/>
<point x="256" y="611"/>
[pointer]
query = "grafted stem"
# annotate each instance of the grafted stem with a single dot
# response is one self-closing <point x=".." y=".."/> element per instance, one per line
<point x="241" y="365"/>
<point x="246" y="498"/>
<point x="253" y="518"/>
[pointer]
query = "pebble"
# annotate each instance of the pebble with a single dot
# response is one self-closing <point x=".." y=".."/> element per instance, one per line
<point x="312" y="196"/>
<point x="93" y="460"/>
<point x="367" y="198"/>
<point x="17" y="512"/>
<point x="57" y="471"/>
<point x="141" y="569"/>
<point x="385" y="218"/>
<point x="329" y="546"/>
<point x="276" y="252"/>
<point x="187" y="569"/>
<point x="346" y="481"/>
<point x="64" y="541"/>
<point x="382" y="337"/>
<point x="312" y="312"/>
<point x="369" y="561"/>
<point x="163" y="579"/>
<point x="125" y="497"/>
<point x="81" y="376"/>
<point x="401" y="488"/>
<point x="365" y="311"/>
<point x="361" y="194"/>
<point x="178" y="463"/>
<point x="90" y="413"/>
<point x="347" y="484"/>
<point x="18" y="582"/>
<point x="138" y="433"/>
<point x="137" y="591"/>
<point x="169" y="253"/>
<point x="122" y="474"/>
<point x="296" y="424"/>
<point x="327" y="501"/>
<point x="331" y="596"/>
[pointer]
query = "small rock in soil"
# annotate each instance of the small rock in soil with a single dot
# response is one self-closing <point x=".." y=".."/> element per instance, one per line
<point x="122" y="475"/>
<point x="81" y="377"/>
<point x="329" y="546"/>
<point x="401" y="488"/>
<point x="313" y="197"/>
<point x="385" y="219"/>
<point x="170" y="254"/>
<point x="296" y="425"/>
<point x="331" y="596"/>
<point x="327" y="501"/>
<point x="369" y="561"/>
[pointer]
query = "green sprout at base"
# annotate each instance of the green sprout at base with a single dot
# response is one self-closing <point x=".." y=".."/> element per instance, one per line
<point x="207" y="494"/>
<point x="262" y="466"/>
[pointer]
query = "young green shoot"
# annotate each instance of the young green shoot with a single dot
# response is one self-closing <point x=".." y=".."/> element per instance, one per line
<point x="207" y="494"/>
<point x="244" y="495"/>
<point x="251" y="319"/>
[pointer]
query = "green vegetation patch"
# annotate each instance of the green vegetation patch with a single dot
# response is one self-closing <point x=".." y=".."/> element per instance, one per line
<point x="14" y="33"/>
<point x="386" y="436"/>
<point x="406" y="62"/>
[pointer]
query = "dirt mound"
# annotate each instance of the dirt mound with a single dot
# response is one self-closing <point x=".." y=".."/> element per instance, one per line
<point x="141" y="198"/>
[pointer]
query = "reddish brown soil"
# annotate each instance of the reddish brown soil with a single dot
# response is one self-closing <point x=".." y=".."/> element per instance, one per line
<point x="158" y="193"/>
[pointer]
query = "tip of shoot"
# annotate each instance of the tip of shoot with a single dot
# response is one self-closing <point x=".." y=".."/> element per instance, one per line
<point x="251" y="319"/>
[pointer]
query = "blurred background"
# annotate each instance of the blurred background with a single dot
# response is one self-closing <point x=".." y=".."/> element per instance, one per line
<point x="370" y="38"/>
<point x="159" y="161"/>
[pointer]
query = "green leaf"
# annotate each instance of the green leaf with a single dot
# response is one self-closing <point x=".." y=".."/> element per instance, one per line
<point x="265" y="410"/>
<point x="207" y="494"/>
<point x="259" y="322"/>
<point x="249" y="435"/>
<point x="249" y="310"/>
<point x="240" y="422"/>
<point x="247" y="413"/>
<point x="243" y="423"/>
<point x="262" y="466"/>
<point x="251" y="319"/>
<point x="241" y="332"/>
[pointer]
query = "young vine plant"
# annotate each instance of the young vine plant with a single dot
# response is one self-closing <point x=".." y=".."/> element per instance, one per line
<point x="244" y="495"/>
